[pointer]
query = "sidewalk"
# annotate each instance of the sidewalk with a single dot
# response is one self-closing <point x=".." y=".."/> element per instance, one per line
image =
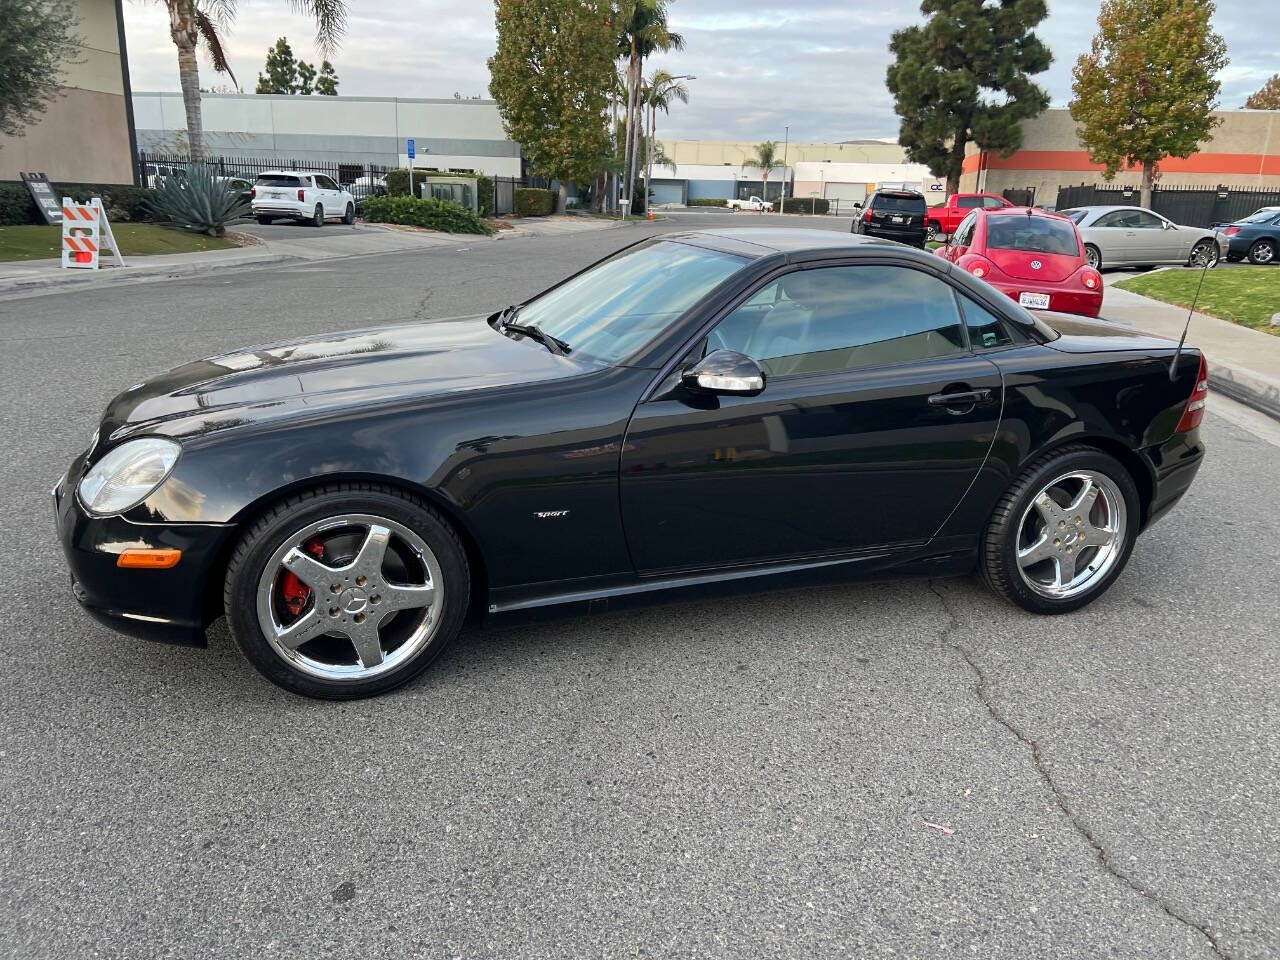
<point x="1244" y="364"/>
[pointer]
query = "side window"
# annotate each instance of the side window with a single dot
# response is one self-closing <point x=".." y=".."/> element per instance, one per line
<point x="326" y="184"/>
<point x="841" y="318"/>
<point x="985" y="329"/>
<point x="964" y="232"/>
<point x="993" y="203"/>
<point x="969" y="203"/>
<point x="1145" y="221"/>
<point x="1113" y="219"/>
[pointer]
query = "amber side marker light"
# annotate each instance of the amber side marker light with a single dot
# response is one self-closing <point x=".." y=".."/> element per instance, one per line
<point x="158" y="559"/>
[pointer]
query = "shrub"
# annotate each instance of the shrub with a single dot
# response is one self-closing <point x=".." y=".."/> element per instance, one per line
<point x="533" y="202"/>
<point x="16" y="206"/>
<point x="398" y="182"/>
<point x="433" y="214"/>
<point x="805" y="205"/>
<point x="123" y="202"/>
<point x="199" y="201"/>
<point x="708" y="202"/>
<point x="484" y="194"/>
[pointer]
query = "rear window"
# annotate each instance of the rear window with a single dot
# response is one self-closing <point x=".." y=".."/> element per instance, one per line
<point x="902" y="202"/>
<point x="277" y="180"/>
<point x="1075" y="216"/>
<point x="1262" y="216"/>
<point x="1032" y="234"/>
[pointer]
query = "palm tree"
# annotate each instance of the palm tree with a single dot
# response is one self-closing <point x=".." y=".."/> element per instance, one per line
<point x="642" y="32"/>
<point x="660" y="92"/>
<point x="194" y="21"/>
<point x="765" y="157"/>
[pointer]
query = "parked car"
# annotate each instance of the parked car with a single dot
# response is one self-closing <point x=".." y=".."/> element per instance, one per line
<point x="751" y="203"/>
<point x="892" y="215"/>
<point x="1034" y="257"/>
<point x="310" y="197"/>
<point x="1256" y="236"/>
<point x="368" y="186"/>
<point x="1116" y="236"/>
<point x="697" y="409"/>
<point x="157" y="173"/>
<point x="242" y="187"/>
<point x="944" y="219"/>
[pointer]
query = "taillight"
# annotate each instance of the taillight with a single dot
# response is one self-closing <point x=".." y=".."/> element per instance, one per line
<point x="979" y="267"/>
<point x="253" y="192"/>
<point x="302" y="194"/>
<point x="1091" y="279"/>
<point x="1231" y="231"/>
<point x="866" y="217"/>
<point x="1194" y="412"/>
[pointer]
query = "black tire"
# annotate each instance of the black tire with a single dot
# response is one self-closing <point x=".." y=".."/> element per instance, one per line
<point x="317" y="217"/>
<point x="349" y="217"/>
<point x="1263" y="252"/>
<point x="266" y="221"/>
<point x="932" y="230"/>
<point x="1093" y="255"/>
<point x="272" y="529"/>
<point x="998" y="561"/>
<point x="1211" y="251"/>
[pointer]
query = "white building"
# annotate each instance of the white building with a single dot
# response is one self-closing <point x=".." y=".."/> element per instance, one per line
<point x="851" y="182"/>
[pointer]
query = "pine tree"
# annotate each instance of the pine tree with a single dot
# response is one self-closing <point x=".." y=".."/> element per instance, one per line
<point x="305" y="77"/>
<point x="327" y="82"/>
<point x="280" y="69"/>
<point x="1147" y="88"/>
<point x="965" y="76"/>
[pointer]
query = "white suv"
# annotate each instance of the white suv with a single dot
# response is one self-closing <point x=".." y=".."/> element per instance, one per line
<point x="310" y="197"/>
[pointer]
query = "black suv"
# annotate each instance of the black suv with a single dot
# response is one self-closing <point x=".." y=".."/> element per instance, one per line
<point x="893" y="215"/>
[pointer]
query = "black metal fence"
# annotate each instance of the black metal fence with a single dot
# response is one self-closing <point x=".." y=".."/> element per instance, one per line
<point x="153" y="165"/>
<point x="1191" y="206"/>
<point x="1022" y="197"/>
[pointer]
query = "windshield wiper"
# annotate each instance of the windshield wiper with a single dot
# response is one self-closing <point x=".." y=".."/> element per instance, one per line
<point x="554" y="344"/>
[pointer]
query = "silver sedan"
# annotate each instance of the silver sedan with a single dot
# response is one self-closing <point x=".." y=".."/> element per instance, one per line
<point x="1138" y="237"/>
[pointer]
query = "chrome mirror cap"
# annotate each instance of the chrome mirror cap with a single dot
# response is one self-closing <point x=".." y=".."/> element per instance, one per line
<point x="725" y="372"/>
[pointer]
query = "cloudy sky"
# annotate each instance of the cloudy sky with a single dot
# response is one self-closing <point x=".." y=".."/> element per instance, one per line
<point x="817" y="65"/>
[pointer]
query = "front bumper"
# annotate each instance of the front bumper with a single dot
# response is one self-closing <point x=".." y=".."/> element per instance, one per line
<point x="163" y="605"/>
<point x="1174" y="465"/>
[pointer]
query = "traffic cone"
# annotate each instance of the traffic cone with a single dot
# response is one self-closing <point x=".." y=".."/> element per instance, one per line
<point x="650" y="214"/>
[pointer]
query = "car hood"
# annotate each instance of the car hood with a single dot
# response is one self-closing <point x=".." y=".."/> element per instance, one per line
<point x="316" y="374"/>
<point x="1081" y="335"/>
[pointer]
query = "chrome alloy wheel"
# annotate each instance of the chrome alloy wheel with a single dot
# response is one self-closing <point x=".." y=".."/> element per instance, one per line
<point x="367" y="597"/>
<point x="1071" y="534"/>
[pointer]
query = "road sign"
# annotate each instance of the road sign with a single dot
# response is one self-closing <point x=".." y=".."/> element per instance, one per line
<point x="85" y="231"/>
<point x="46" y="200"/>
<point x="411" y="148"/>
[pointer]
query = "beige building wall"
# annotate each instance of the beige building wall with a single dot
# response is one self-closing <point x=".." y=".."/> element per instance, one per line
<point x="736" y="153"/>
<point x="85" y="134"/>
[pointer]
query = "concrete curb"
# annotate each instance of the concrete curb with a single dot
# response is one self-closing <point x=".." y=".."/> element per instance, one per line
<point x="12" y="288"/>
<point x="1245" y="386"/>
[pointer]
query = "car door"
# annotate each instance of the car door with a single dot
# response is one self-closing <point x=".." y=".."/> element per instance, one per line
<point x="874" y="420"/>
<point x="1152" y="243"/>
<point x="1115" y="238"/>
<point x="962" y="238"/>
<point x="329" y="195"/>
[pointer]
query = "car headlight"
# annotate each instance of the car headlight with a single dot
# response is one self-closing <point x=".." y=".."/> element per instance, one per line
<point x="127" y="475"/>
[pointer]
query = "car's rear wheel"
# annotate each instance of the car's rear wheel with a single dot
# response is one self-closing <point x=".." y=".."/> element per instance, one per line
<point x="317" y="216"/>
<point x="265" y="221"/>
<point x="1093" y="255"/>
<point x="1204" y="253"/>
<point x="347" y="591"/>
<point x="1062" y="532"/>
<point x="349" y="217"/>
<point x="1262" y="252"/>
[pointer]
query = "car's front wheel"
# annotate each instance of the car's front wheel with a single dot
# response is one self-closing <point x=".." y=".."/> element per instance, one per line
<point x="1062" y="532"/>
<point x="931" y="230"/>
<point x="265" y="221"/>
<point x="1262" y="252"/>
<point x="346" y="591"/>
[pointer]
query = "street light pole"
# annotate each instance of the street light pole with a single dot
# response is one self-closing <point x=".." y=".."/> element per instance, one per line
<point x="786" y="142"/>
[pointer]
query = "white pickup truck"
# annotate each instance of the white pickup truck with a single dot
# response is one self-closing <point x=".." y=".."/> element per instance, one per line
<point x="754" y="203"/>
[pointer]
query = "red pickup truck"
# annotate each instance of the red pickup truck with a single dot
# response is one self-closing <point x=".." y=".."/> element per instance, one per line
<point x="941" y="221"/>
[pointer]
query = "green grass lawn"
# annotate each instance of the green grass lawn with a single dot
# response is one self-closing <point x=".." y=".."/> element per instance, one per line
<point x="1246" y="295"/>
<point x="136" y="240"/>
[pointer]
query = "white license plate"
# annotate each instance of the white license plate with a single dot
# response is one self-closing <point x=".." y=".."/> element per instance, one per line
<point x="899" y="219"/>
<point x="1037" y="301"/>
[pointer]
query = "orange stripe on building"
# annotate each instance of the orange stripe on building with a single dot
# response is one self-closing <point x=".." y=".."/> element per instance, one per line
<point x="1249" y="164"/>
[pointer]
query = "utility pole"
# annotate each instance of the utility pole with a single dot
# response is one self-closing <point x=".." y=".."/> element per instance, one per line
<point x="786" y="142"/>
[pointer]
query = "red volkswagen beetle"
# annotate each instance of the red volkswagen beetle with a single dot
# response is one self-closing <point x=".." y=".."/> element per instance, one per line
<point x="1036" y="257"/>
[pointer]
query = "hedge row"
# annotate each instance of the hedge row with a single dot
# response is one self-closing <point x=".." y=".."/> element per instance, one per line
<point x="122" y="201"/>
<point x="806" y="205"/>
<point x="398" y="184"/>
<point x="708" y="202"/>
<point x="433" y="214"/>
<point x="533" y="202"/>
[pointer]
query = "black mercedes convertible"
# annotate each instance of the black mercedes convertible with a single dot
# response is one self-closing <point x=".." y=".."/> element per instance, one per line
<point x="698" y="409"/>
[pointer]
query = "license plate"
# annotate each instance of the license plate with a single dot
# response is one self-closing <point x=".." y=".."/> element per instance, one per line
<point x="1037" y="301"/>
<point x="899" y="219"/>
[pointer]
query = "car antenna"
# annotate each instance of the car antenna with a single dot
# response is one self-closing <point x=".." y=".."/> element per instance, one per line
<point x="1173" y="364"/>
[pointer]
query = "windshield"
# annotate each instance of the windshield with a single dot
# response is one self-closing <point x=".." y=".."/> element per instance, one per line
<point x="619" y="305"/>
<point x="1075" y="216"/>
<point x="1032" y="234"/>
<point x="902" y="202"/>
<point x="276" y="180"/>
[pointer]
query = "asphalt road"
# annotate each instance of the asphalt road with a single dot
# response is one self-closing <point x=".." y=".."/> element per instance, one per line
<point x="751" y="777"/>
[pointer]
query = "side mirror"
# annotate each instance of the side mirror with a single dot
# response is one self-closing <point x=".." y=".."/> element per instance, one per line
<point x="857" y="206"/>
<point x="725" y="372"/>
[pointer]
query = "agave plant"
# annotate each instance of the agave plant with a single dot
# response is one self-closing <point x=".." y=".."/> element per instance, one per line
<point x="199" y="201"/>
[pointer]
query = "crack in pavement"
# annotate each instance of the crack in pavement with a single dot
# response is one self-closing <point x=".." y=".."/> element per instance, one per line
<point x="1037" y="760"/>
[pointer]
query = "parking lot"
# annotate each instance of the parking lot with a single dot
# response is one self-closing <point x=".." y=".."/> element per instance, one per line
<point x="906" y="769"/>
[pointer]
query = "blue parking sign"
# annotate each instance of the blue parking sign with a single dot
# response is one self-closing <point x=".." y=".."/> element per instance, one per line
<point x="411" y="152"/>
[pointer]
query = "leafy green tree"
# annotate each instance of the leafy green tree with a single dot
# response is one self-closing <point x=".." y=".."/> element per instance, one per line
<point x="280" y="69"/>
<point x="1147" y="88"/>
<point x="304" y="80"/>
<point x="327" y="82"/>
<point x="765" y="157"/>
<point x="965" y="76"/>
<point x="550" y="76"/>
<point x="1267" y="98"/>
<point x="36" y="39"/>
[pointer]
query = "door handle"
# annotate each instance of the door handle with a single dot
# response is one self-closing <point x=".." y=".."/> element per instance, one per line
<point x="963" y="398"/>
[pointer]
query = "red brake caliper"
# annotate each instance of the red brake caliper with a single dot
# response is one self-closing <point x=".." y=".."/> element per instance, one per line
<point x="293" y="590"/>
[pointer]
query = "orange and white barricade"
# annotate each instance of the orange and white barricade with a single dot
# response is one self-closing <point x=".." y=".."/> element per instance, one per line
<point x="85" y="232"/>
